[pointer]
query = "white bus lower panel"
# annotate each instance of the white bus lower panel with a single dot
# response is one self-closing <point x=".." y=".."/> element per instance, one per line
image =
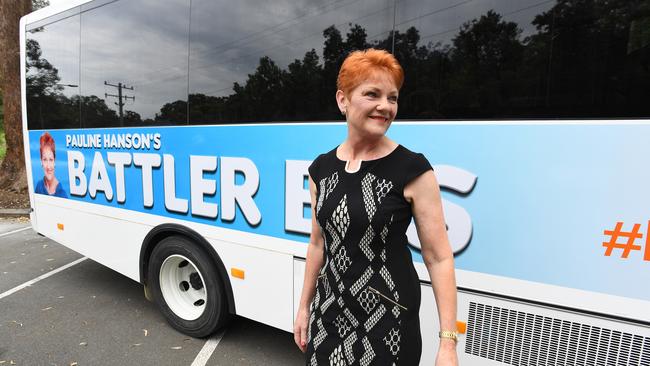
<point x="505" y="332"/>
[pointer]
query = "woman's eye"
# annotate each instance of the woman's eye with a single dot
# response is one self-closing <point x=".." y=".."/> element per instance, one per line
<point x="371" y="94"/>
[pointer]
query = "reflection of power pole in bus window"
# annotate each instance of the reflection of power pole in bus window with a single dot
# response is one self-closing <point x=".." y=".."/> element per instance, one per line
<point x="119" y="97"/>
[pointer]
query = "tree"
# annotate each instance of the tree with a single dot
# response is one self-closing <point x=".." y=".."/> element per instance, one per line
<point x="207" y="109"/>
<point x="260" y="97"/>
<point x="356" y="38"/>
<point x="586" y="52"/>
<point x="95" y="112"/>
<point x="44" y="78"/>
<point x="12" y="170"/>
<point x="334" y="49"/>
<point x="486" y="55"/>
<point x="171" y="113"/>
<point x="132" y="118"/>
<point x="302" y="98"/>
<point x="46" y="102"/>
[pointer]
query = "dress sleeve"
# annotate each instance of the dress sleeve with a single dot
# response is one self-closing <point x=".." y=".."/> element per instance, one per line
<point x="314" y="169"/>
<point x="417" y="166"/>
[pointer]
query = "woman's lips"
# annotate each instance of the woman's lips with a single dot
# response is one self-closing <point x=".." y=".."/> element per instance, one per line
<point x="379" y="118"/>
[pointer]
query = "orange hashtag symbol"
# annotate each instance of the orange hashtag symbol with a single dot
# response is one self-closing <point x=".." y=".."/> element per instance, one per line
<point x="628" y="246"/>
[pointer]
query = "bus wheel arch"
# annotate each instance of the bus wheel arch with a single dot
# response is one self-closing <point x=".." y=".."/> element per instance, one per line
<point x="161" y="249"/>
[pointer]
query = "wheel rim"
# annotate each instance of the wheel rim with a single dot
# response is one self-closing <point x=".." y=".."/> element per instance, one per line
<point x="182" y="287"/>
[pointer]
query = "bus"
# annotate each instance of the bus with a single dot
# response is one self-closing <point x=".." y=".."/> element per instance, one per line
<point x="170" y="141"/>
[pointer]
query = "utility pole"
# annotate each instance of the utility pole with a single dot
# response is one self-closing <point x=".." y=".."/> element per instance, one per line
<point x="119" y="97"/>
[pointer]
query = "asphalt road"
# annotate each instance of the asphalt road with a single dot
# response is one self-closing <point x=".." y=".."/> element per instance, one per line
<point x="87" y="314"/>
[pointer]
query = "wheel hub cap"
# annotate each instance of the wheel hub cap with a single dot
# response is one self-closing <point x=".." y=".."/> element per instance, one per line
<point x="182" y="287"/>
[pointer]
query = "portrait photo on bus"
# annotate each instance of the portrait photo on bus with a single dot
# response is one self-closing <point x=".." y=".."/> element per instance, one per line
<point x="49" y="184"/>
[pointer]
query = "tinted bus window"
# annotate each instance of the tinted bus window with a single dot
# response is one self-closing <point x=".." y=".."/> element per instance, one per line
<point x="256" y="61"/>
<point x="134" y="63"/>
<point x="505" y="59"/>
<point x="52" y="67"/>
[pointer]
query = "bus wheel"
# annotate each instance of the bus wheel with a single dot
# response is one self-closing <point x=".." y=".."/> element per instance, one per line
<point x="186" y="286"/>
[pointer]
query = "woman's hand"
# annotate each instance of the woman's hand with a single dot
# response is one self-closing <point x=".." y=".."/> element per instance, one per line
<point x="447" y="353"/>
<point x="300" y="329"/>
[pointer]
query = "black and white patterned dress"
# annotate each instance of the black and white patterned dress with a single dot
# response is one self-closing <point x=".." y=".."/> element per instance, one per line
<point x="366" y="307"/>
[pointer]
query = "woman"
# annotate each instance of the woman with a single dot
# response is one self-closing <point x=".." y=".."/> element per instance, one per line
<point x="49" y="184"/>
<point x="361" y="295"/>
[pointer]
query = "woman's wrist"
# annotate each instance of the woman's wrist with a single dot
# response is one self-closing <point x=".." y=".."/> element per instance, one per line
<point x="447" y="343"/>
<point x="303" y="306"/>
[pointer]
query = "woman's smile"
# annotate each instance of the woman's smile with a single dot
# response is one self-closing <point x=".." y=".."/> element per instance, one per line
<point x="379" y="118"/>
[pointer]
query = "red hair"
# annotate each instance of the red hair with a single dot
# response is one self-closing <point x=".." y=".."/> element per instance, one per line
<point x="362" y="65"/>
<point x="47" y="141"/>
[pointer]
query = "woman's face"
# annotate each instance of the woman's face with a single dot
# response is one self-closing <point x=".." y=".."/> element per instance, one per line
<point x="371" y="107"/>
<point x="47" y="161"/>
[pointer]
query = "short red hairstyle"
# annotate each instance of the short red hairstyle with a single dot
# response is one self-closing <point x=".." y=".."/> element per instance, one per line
<point x="47" y="141"/>
<point x="361" y="65"/>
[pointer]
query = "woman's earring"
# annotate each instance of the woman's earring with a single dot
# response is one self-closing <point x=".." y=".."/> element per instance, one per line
<point x="343" y="112"/>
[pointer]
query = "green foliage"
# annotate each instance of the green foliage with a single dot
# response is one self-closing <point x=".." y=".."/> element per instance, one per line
<point x="3" y="144"/>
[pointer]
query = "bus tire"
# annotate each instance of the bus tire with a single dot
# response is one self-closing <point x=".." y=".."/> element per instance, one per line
<point x="187" y="288"/>
<point x="147" y="294"/>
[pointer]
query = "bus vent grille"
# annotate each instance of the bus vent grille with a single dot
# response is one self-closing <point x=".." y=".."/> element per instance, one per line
<point x="519" y="338"/>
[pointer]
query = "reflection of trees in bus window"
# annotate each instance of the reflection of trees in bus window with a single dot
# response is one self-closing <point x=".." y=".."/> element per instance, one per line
<point x="47" y="105"/>
<point x="262" y="62"/>
<point x="477" y="60"/>
<point x="270" y="61"/>
<point x="523" y="59"/>
<point x="52" y="74"/>
<point x="137" y="49"/>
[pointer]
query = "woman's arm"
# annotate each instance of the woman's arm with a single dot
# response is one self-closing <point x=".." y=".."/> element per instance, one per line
<point x="312" y="266"/>
<point x="424" y="195"/>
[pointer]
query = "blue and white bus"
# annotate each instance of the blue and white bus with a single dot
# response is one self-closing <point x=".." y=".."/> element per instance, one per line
<point x="170" y="140"/>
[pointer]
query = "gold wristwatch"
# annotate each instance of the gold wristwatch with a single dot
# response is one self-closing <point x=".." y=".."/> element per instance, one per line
<point x="449" y="335"/>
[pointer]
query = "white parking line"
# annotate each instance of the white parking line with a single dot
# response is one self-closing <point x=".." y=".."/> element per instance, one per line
<point x="209" y="347"/>
<point x="15" y="231"/>
<point x="46" y="275"/>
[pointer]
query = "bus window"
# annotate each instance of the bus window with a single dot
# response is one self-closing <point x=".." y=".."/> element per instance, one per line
<point x="134" y="63"/>
<point x="52" y="68"/>
<point x="528" y="59"/>
<point x="259" y="62"/>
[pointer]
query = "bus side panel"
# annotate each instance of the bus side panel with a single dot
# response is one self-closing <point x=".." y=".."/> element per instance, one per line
<point x="265" y="292"/>
<point x="501" y="331"/>
<point x="263" y="295"/>
<point x="107" y="240"/>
